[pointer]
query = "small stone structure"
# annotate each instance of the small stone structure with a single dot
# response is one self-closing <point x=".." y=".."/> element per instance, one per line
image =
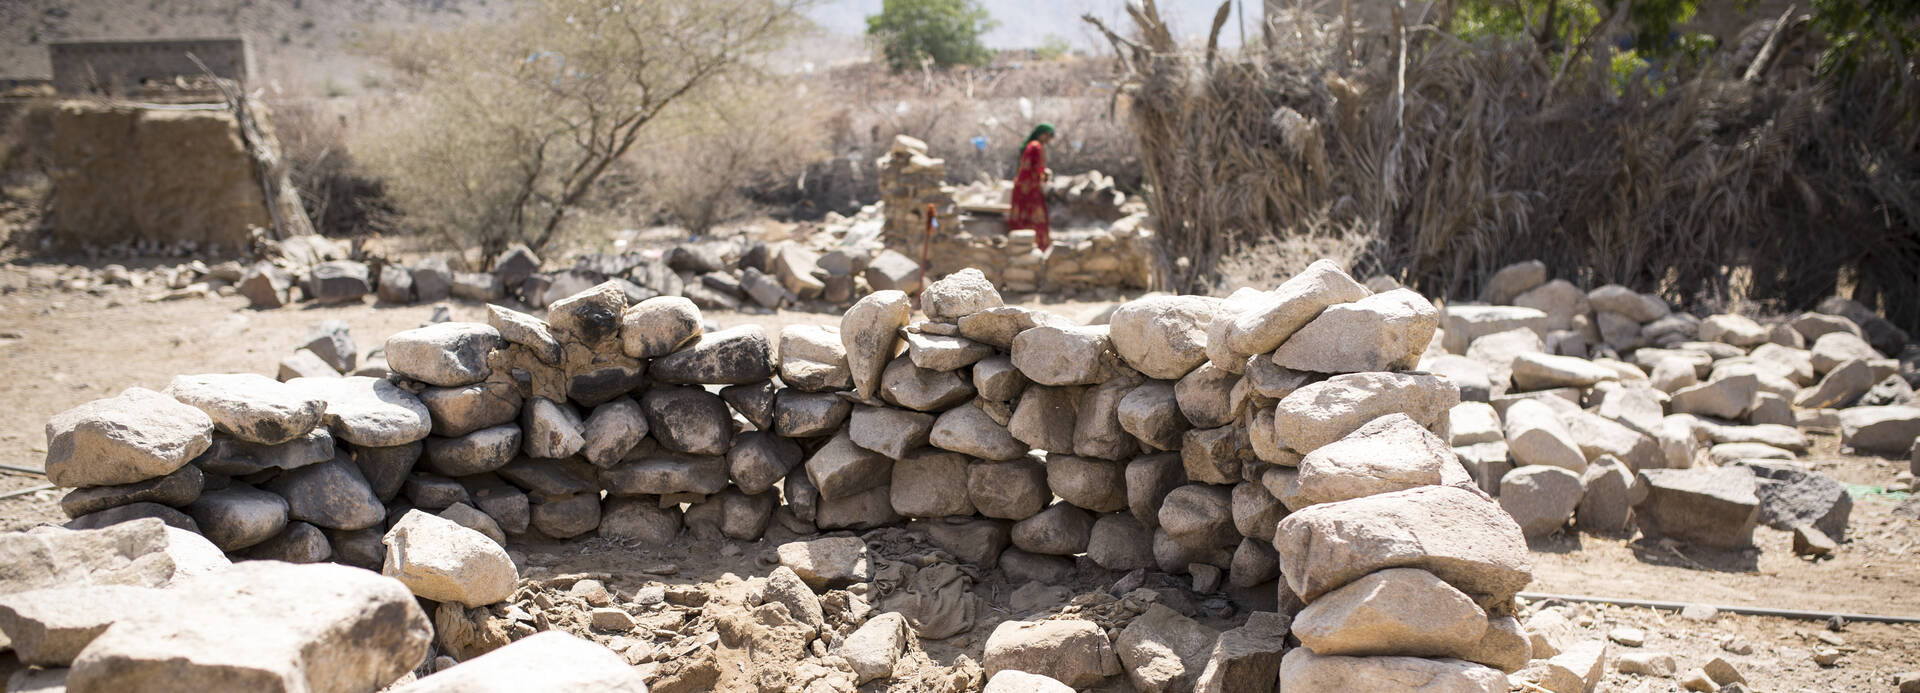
<point x="117" y="68"/>
<point x="1099" y="241"/>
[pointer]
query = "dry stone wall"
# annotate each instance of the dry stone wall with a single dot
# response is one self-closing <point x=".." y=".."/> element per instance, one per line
<point x="1322" y="437"/>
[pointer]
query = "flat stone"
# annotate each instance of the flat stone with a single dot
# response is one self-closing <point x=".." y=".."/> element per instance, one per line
<point x="1462" y="325"/>
<point x="731" y="356"/>
<point x="48" y="627"/>
<point x="552" y="661"/>
<point x="1545" y="372"/>
<point x="176" y="489"/>
<point x="259" y="626"/>
<point x="457" y="411"/>
<point x="903" y="384"/>
<point x="1327" y="411"/>
<point x="667" y="473"/>
<point x="809" y="414"/>
<point x="136" y="436"/>
<point x="1710" y="507"/>
<point x="248" y="406"/>
<point x="1889" y="430"/>
<point x="1453" y="533"/>
<point x="827" y="563"/>
<point x="813" y="358"/>
<point x="1393" y="612"/>
<point x="997" y="327"/>
<point x="369" y="412"/>
<point x="968" y="430"/>
<point x="1303" y="670"/>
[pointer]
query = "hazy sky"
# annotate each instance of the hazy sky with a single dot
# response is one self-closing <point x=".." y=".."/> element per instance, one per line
<point x="1025" y="23"/>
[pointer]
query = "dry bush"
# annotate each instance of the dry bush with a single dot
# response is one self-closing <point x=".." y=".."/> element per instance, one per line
<point x="339" y="199"/>
<point x="1453" y="159"/>
<point x="698" y="169"/>
<point x="501" y="132"/>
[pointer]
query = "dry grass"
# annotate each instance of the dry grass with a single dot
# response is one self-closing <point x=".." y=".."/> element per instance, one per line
<point x="1444" y="161"/>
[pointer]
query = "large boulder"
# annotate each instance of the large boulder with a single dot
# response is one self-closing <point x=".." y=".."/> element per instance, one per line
<point x="731" y="356"/>
<point x="440" y="560"/>
<point x="262" y="626"/>
<point x="552" y="661"/>
<point x="1888" y="430"/>
<point x="1073" y="652"/>
<point x="448" y="354"/>
<point x="1163" y="337"/>
<point x="958" y="295"/>
<point x="1537" y="436"/>
<point x="1711" y="507"/>
<point x="139" y="435"/>
<point x="133" y="553"/>
<point x="1540" y="498"/>
<point x="1397" y="611"/>
<point x="1382" y="332"/>
<point x="1069" y="355"/>
<point x="1454" y="533"/>
<point x="1390" y="453"/>
<point x="1462" y="325"/>
<point x="1163" y="650"/>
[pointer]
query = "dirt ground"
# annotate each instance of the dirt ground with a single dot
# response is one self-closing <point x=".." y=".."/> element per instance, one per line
<point x="64" y="348"/>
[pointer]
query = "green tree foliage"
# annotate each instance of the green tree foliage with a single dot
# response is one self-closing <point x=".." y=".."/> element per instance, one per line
<point x="946" y="31"/>
<point x="500" y="130"/>
<point x="1860" y="30"/>
<point x="1563" y="25"/>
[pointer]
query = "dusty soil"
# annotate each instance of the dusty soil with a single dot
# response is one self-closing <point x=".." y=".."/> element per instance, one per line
<point x="64" y="348"/>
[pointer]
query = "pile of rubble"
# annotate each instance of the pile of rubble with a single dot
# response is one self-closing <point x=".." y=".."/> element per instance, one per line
<point x="1277" y="437"/>
<point x="1693" y="435"/>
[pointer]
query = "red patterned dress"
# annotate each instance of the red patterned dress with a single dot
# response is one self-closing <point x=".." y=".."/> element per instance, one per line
<point x="1029" y="204"/>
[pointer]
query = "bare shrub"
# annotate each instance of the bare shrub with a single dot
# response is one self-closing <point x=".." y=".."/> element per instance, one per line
<point x="499" y="132"/>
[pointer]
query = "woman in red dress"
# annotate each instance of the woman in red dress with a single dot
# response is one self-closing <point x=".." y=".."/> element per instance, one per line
<point x="1029" y="204"/>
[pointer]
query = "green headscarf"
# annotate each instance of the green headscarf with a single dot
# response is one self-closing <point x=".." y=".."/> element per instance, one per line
<point x="1038" y="130"/>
